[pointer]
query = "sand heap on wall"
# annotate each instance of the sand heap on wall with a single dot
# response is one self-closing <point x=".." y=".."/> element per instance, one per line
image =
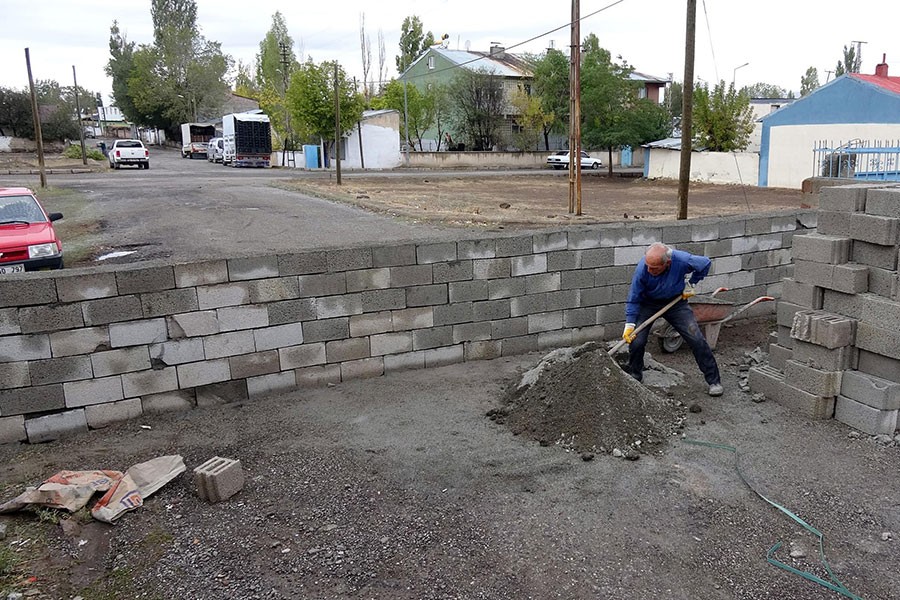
<point x="581" y="399"/>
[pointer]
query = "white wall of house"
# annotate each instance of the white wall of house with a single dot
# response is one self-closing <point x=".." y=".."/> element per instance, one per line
<point x="708" y="167"/>
<point x="380" y="140"/>
<point x="791" y="158"/>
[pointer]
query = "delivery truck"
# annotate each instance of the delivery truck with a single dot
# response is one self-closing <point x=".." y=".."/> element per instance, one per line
<point x="194" y="139"/>
<point x="247" y="140"/>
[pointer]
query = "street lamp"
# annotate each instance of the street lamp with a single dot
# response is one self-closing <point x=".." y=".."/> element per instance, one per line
<point x="193" y="107"/>
<point x="734" y="74"/>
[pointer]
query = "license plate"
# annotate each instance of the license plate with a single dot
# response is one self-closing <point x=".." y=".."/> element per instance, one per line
<point x="10" y="269"/>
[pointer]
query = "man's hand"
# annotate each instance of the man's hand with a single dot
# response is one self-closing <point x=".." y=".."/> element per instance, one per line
<point x="688" y="291"/>
<point x="628" y="335"/>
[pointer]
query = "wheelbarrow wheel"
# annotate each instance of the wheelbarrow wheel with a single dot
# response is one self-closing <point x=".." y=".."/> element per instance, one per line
<point x="669" y="340"/>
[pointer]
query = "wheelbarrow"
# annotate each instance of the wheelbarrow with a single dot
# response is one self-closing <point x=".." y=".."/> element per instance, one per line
<point x="711" y="313"/>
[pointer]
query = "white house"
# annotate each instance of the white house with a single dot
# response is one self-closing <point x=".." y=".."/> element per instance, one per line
<point x="380" y="134"/>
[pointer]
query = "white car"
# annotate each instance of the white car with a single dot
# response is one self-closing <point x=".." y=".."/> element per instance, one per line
<point x="214" y="150"/>
<point x="560" y="160"/>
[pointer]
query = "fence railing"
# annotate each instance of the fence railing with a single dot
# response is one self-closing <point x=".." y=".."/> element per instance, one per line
<point x="857" y="159"/>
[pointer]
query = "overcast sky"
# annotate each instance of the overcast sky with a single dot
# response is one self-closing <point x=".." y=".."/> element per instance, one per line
<point x="779" y="39"/>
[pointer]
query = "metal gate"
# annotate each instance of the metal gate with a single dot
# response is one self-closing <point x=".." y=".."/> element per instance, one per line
<point x="857" y="159"/>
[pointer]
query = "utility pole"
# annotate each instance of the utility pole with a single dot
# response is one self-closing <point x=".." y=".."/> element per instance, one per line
<point x="78" y="111"/>
<point x="337" y="126"/>
<point x="858" y="59"/>
<point x="405" y="124"/>
<point x="362" y="162"/>
<point x="575" y="111"/>
<point x="687" y="109"/>
<point x="828" y="75"/>
<point x="37" y="121"/>
<point x="285" y="66"/>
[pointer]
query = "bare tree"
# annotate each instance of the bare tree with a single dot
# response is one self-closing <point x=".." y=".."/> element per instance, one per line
<point x="382" y="62"/>
<point x="365" y="48"/>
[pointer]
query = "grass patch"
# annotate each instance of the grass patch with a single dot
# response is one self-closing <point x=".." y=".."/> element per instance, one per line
<point x="78" y="229"/>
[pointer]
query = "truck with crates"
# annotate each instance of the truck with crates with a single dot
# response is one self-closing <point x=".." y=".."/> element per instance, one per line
<point x="247" y="140"/>
<point x="194" y="139"/>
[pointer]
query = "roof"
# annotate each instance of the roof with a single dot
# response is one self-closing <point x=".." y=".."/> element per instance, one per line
<point x="671" y="143"/>
<point x="891" y="84"/>
<point x="637" y="76"/>
<point x="501" y="63"/>
<point x="374" y="113"/>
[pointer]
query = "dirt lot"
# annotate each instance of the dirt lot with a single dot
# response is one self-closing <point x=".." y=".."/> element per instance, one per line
<point x="408" y="486"/>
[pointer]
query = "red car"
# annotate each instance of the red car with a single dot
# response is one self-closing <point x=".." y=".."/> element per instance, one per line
<point x="28" y="241"/>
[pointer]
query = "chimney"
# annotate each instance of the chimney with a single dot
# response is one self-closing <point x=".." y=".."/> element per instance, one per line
<point x="881" y="70"/>
<point x="496" y="48"/>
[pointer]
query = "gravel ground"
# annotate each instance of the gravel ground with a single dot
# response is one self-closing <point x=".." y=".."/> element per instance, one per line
<point x="402" y="487"/>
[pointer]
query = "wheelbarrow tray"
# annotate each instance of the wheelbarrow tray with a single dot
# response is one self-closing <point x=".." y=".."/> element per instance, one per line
<point x="707" y="310"/>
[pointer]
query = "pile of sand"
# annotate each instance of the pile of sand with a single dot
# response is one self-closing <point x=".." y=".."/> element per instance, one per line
<point x="580" y="399"/>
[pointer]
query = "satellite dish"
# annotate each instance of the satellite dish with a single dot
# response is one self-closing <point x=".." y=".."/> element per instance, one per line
<point x="468" y="43"/>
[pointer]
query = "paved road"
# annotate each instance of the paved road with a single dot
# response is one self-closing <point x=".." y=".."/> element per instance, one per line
<point x="191" y="209"/>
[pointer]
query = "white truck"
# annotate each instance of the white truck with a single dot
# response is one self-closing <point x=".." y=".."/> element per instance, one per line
<point x="129" y="152"/>
<point x="194" y="139"/>
<point x="247" y="140"/>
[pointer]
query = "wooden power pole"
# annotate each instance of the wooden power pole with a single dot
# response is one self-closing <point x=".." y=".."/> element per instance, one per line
<point x="37" y="121"/>
<point x="78" y="111"/>
<point x="337" y="126"/>
<point x="575" y="111"/>
<point x="687" y="110"/>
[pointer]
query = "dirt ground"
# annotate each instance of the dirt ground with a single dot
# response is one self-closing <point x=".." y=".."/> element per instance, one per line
<point x="408" y="486"/>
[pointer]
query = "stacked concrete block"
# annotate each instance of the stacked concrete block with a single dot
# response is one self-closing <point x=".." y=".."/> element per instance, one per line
<point x="219" y="479"/>
<point x="868" y="403"/>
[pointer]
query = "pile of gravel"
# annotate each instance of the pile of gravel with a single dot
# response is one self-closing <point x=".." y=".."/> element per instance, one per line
<point x="580" y="399"/>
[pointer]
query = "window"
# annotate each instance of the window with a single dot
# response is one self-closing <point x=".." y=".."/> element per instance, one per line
<point x="430" y="62"/>
<point x="642" y="93"/>
<point x="527" y="88"/>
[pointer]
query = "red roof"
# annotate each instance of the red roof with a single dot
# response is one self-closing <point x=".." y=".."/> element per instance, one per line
<point x="891" y="84"/>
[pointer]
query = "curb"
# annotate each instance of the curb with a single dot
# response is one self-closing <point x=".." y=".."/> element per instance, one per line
<point x="47" y="171"/>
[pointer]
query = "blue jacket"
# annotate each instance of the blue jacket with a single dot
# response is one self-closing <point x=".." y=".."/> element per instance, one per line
<point x="666" y="285"/>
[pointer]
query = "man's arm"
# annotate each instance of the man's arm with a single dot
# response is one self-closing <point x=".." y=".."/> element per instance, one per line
<point x="699" y="268"/>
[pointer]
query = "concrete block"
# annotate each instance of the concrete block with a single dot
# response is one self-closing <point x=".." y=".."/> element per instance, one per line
<point x="169" y="302"/>
<point x="450" y="314"/>
<point x="874" y="255"/>
<point x="757" y="225"/>
<point x="329" y="329"/>
<point x="235" y="318"/>
<point x="302" y="263"/>
<point x="806" y="295"/>
<point x="339" y="306"/>
<point x="86" y="286"/>
<point x="318" y="376"/>
<point x="53" y="427"/>
<point x="27" y="292"/>
<point x="726" y="264"/>
<point x="291" y="311"/>
<point x="879" y="311"/>
<point x="412" y="318"/>
<point x="428" y="295"/>
<point x="176" y="401"/>
<point x="279" y="336"/>
<point x="580" y="317"/>
<point x="877" y="230"/>
<point x="779" y="355"/>
<point x="809" y="405"/>
<point x="528" y="265"/>
<point x="153" y="381"/>
<point x="79" y="341"/>
<point x="467" y="291"/>
<point x="507" y="328"/>
<point x="253" y="267"/>
<point x="219" y="479"/>
<point x="495" y="268"/>
<point x="216" y="394"/>
<point x="833" y="223"/>
<point x="628" y="255"/>
<point x="9" y="321"/>
<point x="103" y="415"/>
<point x="404" y="362"/>
<point x="39" y="398"/>
<point x="343" y="350"/>
<point x="598" y="258"/>
<point x="191" y="324"/>
<point x="819" y="357"/>
<point x="537" y="284"/>
<point x="850" y="279"/>
<point x="548" y="321"/>
<point x="371" y="323"/>
<point x="52" y="317"/>
<point x="884" y="203"/>
<point x="93" y="391"/>
<point x="251" y="365"/>
<point x="676" y="234"/>
<point x="589" y="334"/>
<point x="554" y="339"/>
<point x="275" y="289"/>
<point x="112" y="310"/>
<point x="548" y="242"/>
<point x="203" y="373"/>
<point x="514" y="246"/>
<point x="425" y="339"/>
<point x="871" y="390"/>
<point x="878" y="340"/>
<point x="468" y="332"/>
<point x="273" y="383"/>
<point x="519" y="345"/>
<point x="845" y="199"/>
<point x="14" y="375"/>
<point x="326" y="284"/>
<point x="394" y="256"/>
<point x="228" y="344"/>
<point x="201" y="273"/>
<point x="785" y="312"/>
<point x="304" y="355"/>
<point x="806" y="219"/>
<point x="481" y="350"/>
<point x="865" y="418"/>
<point x="411" y="275"/>
<point x="576" y="280"/>
<point x="177" y="352"/>
<point x="16" y="348"/>
<point x="883" y="282"/>
<point x="442" y="357"/>
<point x="368" y="279"/>
<point x="379" y="300"/>
<point x="813" y="273"/>
<point x="717" y="248"/>
<point x="596" y="296"/>
<point x="12" y="429"/>
<point x="823" y="328"/>
<point x="145" y="279"/>
<point x="615" y="237"/>
<point x="830" y="249"/>
<point x="704" y="232"/>
<point x="812" y="380"/>
<point x="134" y="333"/>
<point x="224" y="294"/>
<point x="848" y="305"/>
<point x="391" y="343"/>
<point x="506" y="288"/>
<point x="365" y="368"/>
<point x="55" y="370"/>
<point x="527" y="305"/>
<point x="436" y="253"/>
<point x="580" y="240"/>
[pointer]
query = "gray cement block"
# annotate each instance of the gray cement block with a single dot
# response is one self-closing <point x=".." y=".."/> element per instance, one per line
<point x="785" y="312"/>
<point x="325" y="284"/>
<point x="436" y="253"/>
<point x="191" y="324"/>
<point x="291" y="311"/>
<point x="425" y="339"/>
<point x="468" y="332"/>
<point x="365" y="368"/>
<point x="302" y="263"/>
<point x="235" y="318"/>
<point x="848" y="305"/>
<point x="412" y="318"/>
<point x="112" y="310"/>
<point x="279" y="336"/>
<point x="528" y="265"/>
<point x="879" y="311"/>
<point x="273" y="290"/>
<point x="442" y="357"/>
<point x="16" y="348"/>
<point x="815" y="381"/>
<point x="627" y="255"/>
<point x="393" y="343"/>
<point x="370" y="324"/>
<point x="865" y="418"/>
<point x="93" y="391"/>
<point x="675" y="234"/>
<point x="339" y="306"/>
<point x="468" y="291"/>
<point x="884" y="203"/>
<point x="451" y="314"/>
<point x="203" y="373"/>
<point x="494" y="268"/>
<point x="14" y="375"/>
<point x="175" y="401"/>
<point x="548" y="321"/>
<point x="251" y="365"/>
<point x="823" y="328"/>
<point x="779" y="355"/>
<point x="9" y="321"/>
<point x="874" y="255"/>
<point x="528" y="305"/>
<point x="394" y="256"/>
<point x="833" y="223"/>
<point x="819" y="357"/>
<point x="12" y="429"/>
<point x="219" y="479"/>
<point x="329" y="329"/>
<point x="704" y="232"/>
<point x="813" y="273"/>
<point x="548" y="242"/>
<point x="877" y="230"/>
<point x="177" y="352"/>
<point x="40" y="398"/>
<point x="514" y="246"/>
<point x="597" y="258"/>
<point x="612" y="276"/>
<point x="806" y="295"/>
<point x="411" y="275"/>
<point x="379" y="300"/>
<point x="404" y="362"/>
<point x="79" y="341"/>
<point x="537" y="284"/>
<point x="103" y="415"/>
<point x="273" y="383"/>
<point x="883" y="282"/>
<point x="135" y="333"/>
<point x="590" y="334"/>
<point x="548" y="340"/>
<point x="343" y="350"/>
<point x="506" y="288"/>
<point x="575" y="280"/>
<point x="27" y="292"/>
<point x="223" y="294"/>
<point x="880" y="341"/>
<point x="590" y="238"/>
<point x="871" y="390"/>
<point x="428" y="295"/>
<point x="51" y="317"/>
<point x="318" y="376"/>
<point x="304" y="355"/>
<point x="471" y="249"/>
<point x="368" y="279"/>
<point x="226" y="392"/>
<point x="614" y="237"/>
<point x="508" y="328"/>
<point x="478" y="350"/>
<point x="136" y="280"/>
<point x="153" y="381"/>
<point x="58" y="370"/>
<point x="228" y="344"/>
<point x="846" y="199"/>
<point x="850" y="279"/>
<point x="830" y="249"/>
<point x="519" y="345"/>
<point x="86" y="286"/>
<point x="201" y="273"/>
<point x="253" y="267"/>
<point x="53" y="427"/>
<point x="169" y="302"/>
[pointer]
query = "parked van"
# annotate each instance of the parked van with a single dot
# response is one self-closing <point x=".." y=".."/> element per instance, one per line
<point x="214" y="150"/>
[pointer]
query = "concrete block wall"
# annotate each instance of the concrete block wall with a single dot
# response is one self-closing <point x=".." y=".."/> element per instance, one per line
<point x="837" y="351"/>
<point x="81" y="349"/>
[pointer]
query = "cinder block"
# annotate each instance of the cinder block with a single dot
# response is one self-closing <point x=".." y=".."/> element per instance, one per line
<point x="554" y="339"/>
<point x="850" y="279"/>
<point x="216" y="394"/>
<point x="515" y="246"/>
<point x="52" y="317"/>
<point x="429" y="295"/>
<point x="528" y="265"/>
<point x="112" y="310"/>
<point x="326" y="284"/>
<point x="251" y="365"/>
<point x="671" y="234"/>
<point x="318" y="376"/>
<point x="814" y="273"/>
<point x="785" y="312"/>
<point x="848" y="305"/>
<point x="871" y="390"/>
<point x="273" y="290"/>
<point x="812" y="380"/>
<point x="883" y="282"/>
<point x="53" y="427"/>
<point x="329" y="329"/>
<point x="885" y="342"/>
<point x="779" y="355"/>
<point x="135" y="333"/>
<point x="411" y="275"/>
<point x="830" y="249"/>
<point x="865" y="418"/>
<point x="441" y="357"/>
<point x="437" y="253"/>
<point x="169" y="302"/>
<point x="191" y="324"/>
<point x="846" y="199"/>
<point x="86" y="286"/>
<point x="154" y="381"/>
<point x="27" y="292"/>
<point x="14" y="375"/>
<point x="12" y="429"/>
<point x="234" y="318"/>
<point x="833" y="223"/>
<point x="219" y="479"/>
<point x="174" y="401"/>
<point x="393" y="343"/>
<point x="404" y="362"/>
<point x="425" y="339"/>
<point x="264" y="385"/>
<point x="279" y="336"/>
<point x="136" y="280"/>
<point x="806" y="295"/>
<point x="394" y="256"/>
<point x="228" y="344"/>
<point x="819" y="357"/>
<point x="547" y="242"/>
<point x="56" y="370"/>
<point x="9" y="321"/>
<point x="41" y="398"/>
<point x="451" y="314"/>
<point x="519" y="345"/>
<point x="506" y="328"/>
<point x="806" y="404"/>
<point x="506" y="288"/>
<point x="629" y="255"/>
<point x="291" y="311"/>
<point x="884" y="203"/>
<point x="304" y="355"/>
<point x="79" y="341"/>
<point x="823" y="328"/>
<point x="368" y="279"/>
<point x="545" y="282"/>
<point x="370" y="324"/>
<point x="339" y="306"/>
<point x="343" y="350"/>
<point x="378" y="300"/>
<point x="365" y="368"/>
<point x="253" y="267"/>
<point x="177" y="352"/>
<point x="224" y="294"/>
<point x="93" y="391"/>
<point x="468" y="291"/>
<point x="103" y="415"/>
<point x="302" y="263"/>
<point x="202" y="373"/>
<point x="15" y="348"/>
<point x="412" y="318"/>
<point x="874" y="255"/>
<point x="879" y="311"/>
<point x="201" y="273"/>
<point x="548" y="321"/>
<point x="874" y="229"/>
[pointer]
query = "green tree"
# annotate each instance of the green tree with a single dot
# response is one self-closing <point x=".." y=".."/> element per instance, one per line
<point x="15" y="113"/>
<point x="244" y="81"/>
<point x="848" y="64"/>
<point x="418" y="109"/>
<point x="723" y="119"/>
<point x="809" y="82"/>
<point x="675" y="100"/>
<point x="765" y="90"/>
<point x="413" y="42"/>
<point x="310" y="99"/>
<point x="272" y="73"/>
<point x="119" y="67"/>
<point x="533" y="122"/>
<point x="551" y="87"/>
<point x="478" y="101"/>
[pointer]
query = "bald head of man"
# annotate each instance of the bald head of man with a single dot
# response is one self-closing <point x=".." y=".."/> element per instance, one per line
<point x="657" y="258"/>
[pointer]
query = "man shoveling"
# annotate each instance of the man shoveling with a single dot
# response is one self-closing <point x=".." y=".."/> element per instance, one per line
<point x="658" y="280"/>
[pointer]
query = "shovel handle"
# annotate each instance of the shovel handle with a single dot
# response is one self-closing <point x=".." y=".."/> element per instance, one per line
<point x="646" y="323"/>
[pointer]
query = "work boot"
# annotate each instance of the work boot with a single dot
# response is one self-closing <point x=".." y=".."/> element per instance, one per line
<point x="716" y="389"/>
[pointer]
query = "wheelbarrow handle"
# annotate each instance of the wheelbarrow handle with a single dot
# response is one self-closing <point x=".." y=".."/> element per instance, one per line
<point x="737" y="312"/>
<point x="647" y="323"/>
